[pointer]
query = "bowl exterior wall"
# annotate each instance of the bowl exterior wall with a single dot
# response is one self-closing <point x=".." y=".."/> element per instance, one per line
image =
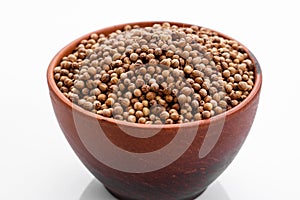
<point x="185" y="177"/>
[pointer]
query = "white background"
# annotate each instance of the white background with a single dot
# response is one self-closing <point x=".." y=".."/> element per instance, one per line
<point x="36" y="162"/>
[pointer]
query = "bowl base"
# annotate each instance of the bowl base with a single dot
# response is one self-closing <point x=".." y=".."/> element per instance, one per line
<point x="120" y="197"/>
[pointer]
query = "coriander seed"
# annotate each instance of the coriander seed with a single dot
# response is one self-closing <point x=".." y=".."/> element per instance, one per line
<point x="164" y="115"/>
<point x="206" y="114"/>
<point x="118" y="110"/>
<point x="188" y="69"/>
<point x="131" y="118"/>
<point x="243" y="85"/>
<point x="138" y="106"/>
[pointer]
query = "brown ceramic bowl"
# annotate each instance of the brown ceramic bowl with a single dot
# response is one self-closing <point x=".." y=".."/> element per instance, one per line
<point x="138" y="161"/>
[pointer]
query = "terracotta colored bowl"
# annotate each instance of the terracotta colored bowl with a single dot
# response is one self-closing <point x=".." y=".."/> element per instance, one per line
<point x="139" y="161"/>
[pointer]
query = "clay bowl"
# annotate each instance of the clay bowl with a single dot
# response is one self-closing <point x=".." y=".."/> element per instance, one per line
<point x="138" y="161"/>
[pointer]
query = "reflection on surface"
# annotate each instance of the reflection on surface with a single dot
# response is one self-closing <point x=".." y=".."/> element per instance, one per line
<point x="96" y="191"/>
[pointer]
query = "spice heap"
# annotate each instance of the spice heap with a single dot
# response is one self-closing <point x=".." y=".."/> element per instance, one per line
<point x="162" y="74"/>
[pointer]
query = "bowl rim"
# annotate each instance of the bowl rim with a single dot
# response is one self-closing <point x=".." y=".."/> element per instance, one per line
<point x="71" y="46"/>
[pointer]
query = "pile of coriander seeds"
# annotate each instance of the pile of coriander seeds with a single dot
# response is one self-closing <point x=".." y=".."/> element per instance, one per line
<point x="163" y="74"/>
